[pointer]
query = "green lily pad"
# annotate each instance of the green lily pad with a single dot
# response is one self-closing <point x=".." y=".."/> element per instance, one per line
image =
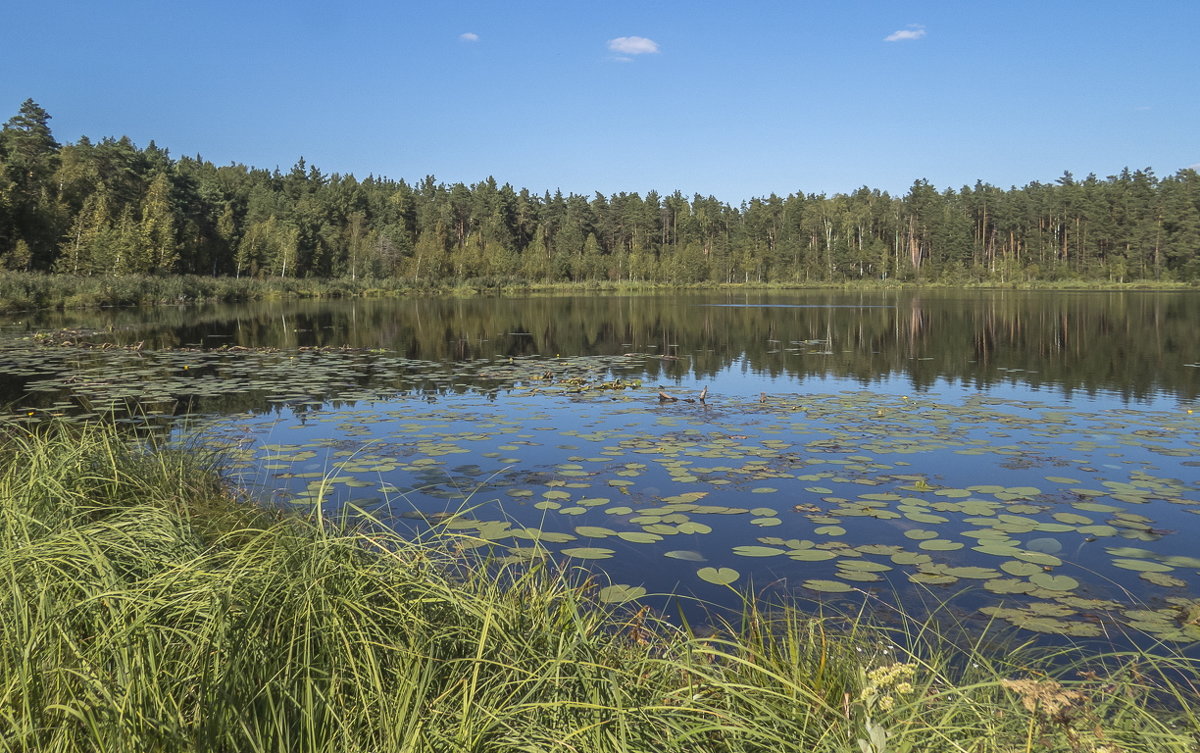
<point x="619" y="593"/>
<point x="639" y="537"/>
<point x="920" y="533"/>
<point x="1039" y="558"/>
<point x="811" y="555"/>
<point x="721" y="576"/>
<point x="1020" y="569"/>
<point x="588" y="553"/>
<point x="1054" y="582"/>
<point x="1142" y="566"/>
<point x="1008" y="586"/>
<point x="1162" y="579"/>
<point x="863" y="565"/>
<point x="827" y="586"/>
<point x="940" y="545"/>
<point x="757" y="551"/>
<point x="932" y="579"/>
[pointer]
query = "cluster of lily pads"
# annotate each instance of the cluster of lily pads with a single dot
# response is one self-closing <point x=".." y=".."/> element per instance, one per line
<point x="834" y="494"/>
<point x="848" y="484"/>
<point x="60" y="380"/>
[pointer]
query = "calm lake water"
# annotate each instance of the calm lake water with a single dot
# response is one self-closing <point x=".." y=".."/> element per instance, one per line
<point x="1030" y="457"/>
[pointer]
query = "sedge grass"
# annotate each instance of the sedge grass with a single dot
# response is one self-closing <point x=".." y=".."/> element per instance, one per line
<point x="144" y="607"/>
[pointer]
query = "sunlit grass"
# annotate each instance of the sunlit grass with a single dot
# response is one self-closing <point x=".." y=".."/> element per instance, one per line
<point x="143" y="607"/>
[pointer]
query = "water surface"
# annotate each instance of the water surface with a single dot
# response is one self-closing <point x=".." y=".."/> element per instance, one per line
<point x="1030" y="456"/>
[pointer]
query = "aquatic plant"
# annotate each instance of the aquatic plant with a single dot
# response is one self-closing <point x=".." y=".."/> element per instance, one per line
<point x="145" y="606"/>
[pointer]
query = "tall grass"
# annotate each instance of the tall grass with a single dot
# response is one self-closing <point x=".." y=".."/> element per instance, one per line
<point x="144" y="607"/>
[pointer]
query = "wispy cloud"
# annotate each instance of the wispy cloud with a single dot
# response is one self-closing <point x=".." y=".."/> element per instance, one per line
<point x="469" y="36"/>
<point x="914" y="31"/>
<point x="633" y="45"/>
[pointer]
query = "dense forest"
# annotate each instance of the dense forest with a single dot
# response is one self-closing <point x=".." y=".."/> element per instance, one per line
<point x="109" y="207"/>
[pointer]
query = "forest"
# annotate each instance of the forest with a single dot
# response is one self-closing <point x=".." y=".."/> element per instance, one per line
<point x="108" y="207"/>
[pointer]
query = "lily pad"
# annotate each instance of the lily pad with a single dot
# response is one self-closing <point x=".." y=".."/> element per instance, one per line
<point x="827" y="586"/>
<point x="619" y="593"/>
<point x="1142" y="566"/>
<point x="757" y="551"/>
<point x="588" y="553"/>
<point x="1054" y="582"/>
<point x="721" y="576"/>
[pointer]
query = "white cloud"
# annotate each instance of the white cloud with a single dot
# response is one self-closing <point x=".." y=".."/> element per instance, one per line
<point x="914" y="31"/>
<point x="633" y="45"/>
<point x="469" y="36"/>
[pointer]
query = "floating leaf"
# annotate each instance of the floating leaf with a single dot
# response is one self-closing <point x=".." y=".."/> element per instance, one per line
<point x="861" y="576"/>
<point x="811" y="555"/>
<point x="1054" y="582"/>
<point x="618" y="593"/>
<point x="827" y="586"/>
<point x="920" y="533"/>
<point x="932" y="579"/>
<point x="863" y="565"/>
<point x="1182" y="561"/>
<point x="1039" y="558"/>
<point x="757" y="551"/>
<point x="1072" y="518"/>
<point x="589" y="553"/>
<point x="685" y="554"/>
<point x="591" y="532"/>
<point x="911" y="558"/>
<point x="639" y="537"/>
<point x="940" y="545"/>
<point x="1162" y="579"/>
<point x="1008" y="586"/>
<point x="1142" y="566"/>
<point x="830" y="531"/>
<point x="1021" y="569"/>
<point x="925" y="517"/>
<point x="721" y="576"/>
<point x="887" y="549"/>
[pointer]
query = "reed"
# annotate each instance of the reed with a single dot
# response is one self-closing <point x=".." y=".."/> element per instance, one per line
<point x="145" y="606"/>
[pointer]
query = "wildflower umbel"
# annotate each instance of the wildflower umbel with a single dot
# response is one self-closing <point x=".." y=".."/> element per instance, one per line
<point x="883" y="684"/>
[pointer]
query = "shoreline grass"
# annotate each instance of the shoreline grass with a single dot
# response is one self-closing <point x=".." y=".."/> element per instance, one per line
<point x="145" y="607"/>
<point x="31" y="291"/>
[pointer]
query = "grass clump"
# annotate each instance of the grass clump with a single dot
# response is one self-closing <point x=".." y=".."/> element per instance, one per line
<point x="144" y="607"/>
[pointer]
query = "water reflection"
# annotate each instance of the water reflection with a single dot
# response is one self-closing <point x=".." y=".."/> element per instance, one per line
<point x="1132" y="344"/>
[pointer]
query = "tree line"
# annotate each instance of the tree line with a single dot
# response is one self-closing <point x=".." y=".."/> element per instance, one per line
<point x="109" y="207"/>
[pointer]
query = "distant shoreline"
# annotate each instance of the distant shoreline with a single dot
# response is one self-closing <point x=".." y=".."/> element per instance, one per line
<point x="32" y="291"/>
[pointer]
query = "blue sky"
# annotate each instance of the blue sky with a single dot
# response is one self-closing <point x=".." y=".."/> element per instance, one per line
<point x="730" y="99"/>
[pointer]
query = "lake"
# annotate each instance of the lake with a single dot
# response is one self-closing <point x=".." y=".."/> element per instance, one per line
<point x="1030" y="457"/>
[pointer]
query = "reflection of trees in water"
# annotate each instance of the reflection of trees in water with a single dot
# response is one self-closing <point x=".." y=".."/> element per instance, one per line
<point x="1131" y="343"/>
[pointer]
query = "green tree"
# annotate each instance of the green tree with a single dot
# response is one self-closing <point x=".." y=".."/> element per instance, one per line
<point x="28" y="159"/>
<point x="156" y="233"/>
